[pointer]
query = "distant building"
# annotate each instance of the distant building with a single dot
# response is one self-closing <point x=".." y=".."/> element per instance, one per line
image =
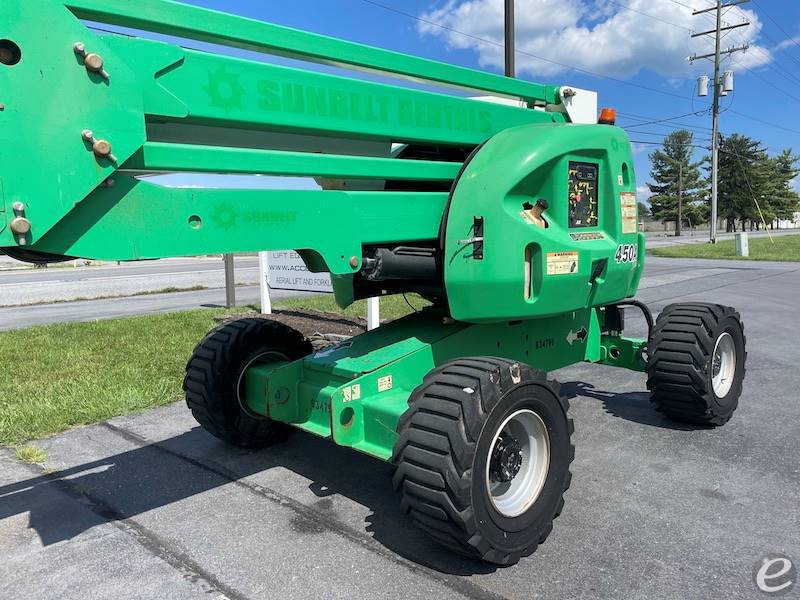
<point x="792" y="223"/>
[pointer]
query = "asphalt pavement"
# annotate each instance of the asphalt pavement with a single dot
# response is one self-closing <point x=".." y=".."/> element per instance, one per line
<point x="700" y="236"/>
<point x="150" y="506"/>
<point x="17" y="317"/>
<point x="42" y="296"/>
<point x="63" y="282"/>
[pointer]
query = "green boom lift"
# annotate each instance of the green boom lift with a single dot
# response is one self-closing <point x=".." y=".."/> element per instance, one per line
<point x="516" y="222"/>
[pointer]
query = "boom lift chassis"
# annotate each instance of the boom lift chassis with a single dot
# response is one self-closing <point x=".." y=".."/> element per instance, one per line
<point x="517" y="223"/>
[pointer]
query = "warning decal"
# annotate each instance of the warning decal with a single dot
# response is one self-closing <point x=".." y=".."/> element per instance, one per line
<point x="627" y="205"/>
<point x="562" y="263"/>
<point x="384" y="383"/>
<point x="351" y="393"/>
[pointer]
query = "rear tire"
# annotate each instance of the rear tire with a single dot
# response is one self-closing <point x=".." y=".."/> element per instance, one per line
<point x="214" y="378"/>
<point x="697" y="363"/>
<point x="462" y="448"/>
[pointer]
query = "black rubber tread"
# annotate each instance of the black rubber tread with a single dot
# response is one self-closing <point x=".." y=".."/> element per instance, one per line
<point x="678" y="368"/>
<point x="434" y="454"/>
<point x="212" y="375"/>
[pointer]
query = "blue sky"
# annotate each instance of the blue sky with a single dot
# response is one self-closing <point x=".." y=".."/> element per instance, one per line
<point x="642" y="44"/>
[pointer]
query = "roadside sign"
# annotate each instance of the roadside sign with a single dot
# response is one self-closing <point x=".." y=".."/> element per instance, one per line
<point x="287" y="271"/>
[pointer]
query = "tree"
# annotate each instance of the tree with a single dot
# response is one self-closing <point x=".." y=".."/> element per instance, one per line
<point x="678" y="189"/>
<point x="781" y="199"/>
<point x="744" y="178"/>
<point x="644" y="210"/>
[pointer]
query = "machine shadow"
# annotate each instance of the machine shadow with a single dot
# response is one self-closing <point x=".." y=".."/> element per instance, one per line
<point x="131" y="483"/>
<point x="631" y="406"/>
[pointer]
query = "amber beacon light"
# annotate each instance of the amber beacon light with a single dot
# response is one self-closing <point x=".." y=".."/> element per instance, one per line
<point x="608" y="116"/>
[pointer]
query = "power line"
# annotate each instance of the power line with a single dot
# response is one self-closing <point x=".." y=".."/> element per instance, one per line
<point x="753" y="194"/>
<point x="564" y="65"/>
<point x="661" y="134"/>
<point x="763" y="122"/>
<point x="791" y="38"/>
<point x="780" y="70"/>
<point x="630" y="8"/>
<point x="518" y="51"/>
<point x="657" y="120"/>
<point x="775" y="67"/>
<point x="669" y="128"/>
<point x="652" y="143"/>
<point x="652" y="118"/>
<point x="668" y="122"/>
<point x="719" y="88"/>
<point x="772" y="85"/>
<point x="681" y="4"/>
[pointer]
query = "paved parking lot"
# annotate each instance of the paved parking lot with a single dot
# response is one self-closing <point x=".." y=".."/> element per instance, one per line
<point x="150" y="506"/>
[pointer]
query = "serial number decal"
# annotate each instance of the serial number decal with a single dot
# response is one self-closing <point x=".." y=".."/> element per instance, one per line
<point x="587" y="236"/>
<point x="626" y="253"/>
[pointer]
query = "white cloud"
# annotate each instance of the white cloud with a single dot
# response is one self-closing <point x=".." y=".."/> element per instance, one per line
<point x="643" y="194"/>
<point x="592" y="35"/>
<point x="789" y="42"/>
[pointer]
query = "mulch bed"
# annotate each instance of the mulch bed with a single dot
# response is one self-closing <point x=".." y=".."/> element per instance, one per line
<point x="314" y="321"/>
<point x="321" y="328"/>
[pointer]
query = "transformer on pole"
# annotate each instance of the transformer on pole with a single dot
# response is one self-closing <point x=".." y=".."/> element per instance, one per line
<point x="722" y="85"/>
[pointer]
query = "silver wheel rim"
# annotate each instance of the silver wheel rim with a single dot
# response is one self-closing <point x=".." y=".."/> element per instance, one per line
<point x="723" y="365"/>
<point x="531" y="441"/>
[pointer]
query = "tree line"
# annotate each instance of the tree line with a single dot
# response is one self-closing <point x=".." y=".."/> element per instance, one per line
<point x="754" y="188"/>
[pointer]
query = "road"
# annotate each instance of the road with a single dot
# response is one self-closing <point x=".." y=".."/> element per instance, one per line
<point x="151" y="506"/>
<point x="63" y="282"/>
<point x="41" y="296"/>
<point x="17" y="317"/>
<point x="701" y="237"/>
<point x="21" y="287"/>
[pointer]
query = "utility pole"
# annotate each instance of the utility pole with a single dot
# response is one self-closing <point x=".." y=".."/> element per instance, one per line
<point x="680" y="200"/>
<point x="719" y="89"/>
<point x="510" y="47"/>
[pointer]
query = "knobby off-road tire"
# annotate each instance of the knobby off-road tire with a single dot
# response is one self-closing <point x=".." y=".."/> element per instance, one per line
<point x="214" y="378"/>
<point x="452" y="466"/>
<point x="696" y="363"/>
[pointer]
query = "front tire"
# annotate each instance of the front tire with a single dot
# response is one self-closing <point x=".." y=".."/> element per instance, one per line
<point x="696" y="363"/>
<point x="214" y="378"/>
<point x="483" y="457"/>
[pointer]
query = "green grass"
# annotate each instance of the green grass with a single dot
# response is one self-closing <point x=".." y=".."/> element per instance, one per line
<point x="392" y="307"/>
<point x="55" y="377"/>
<point x="785" y="248"/>
<point x="58" y="376"/>
<point x="33" y="455"/>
